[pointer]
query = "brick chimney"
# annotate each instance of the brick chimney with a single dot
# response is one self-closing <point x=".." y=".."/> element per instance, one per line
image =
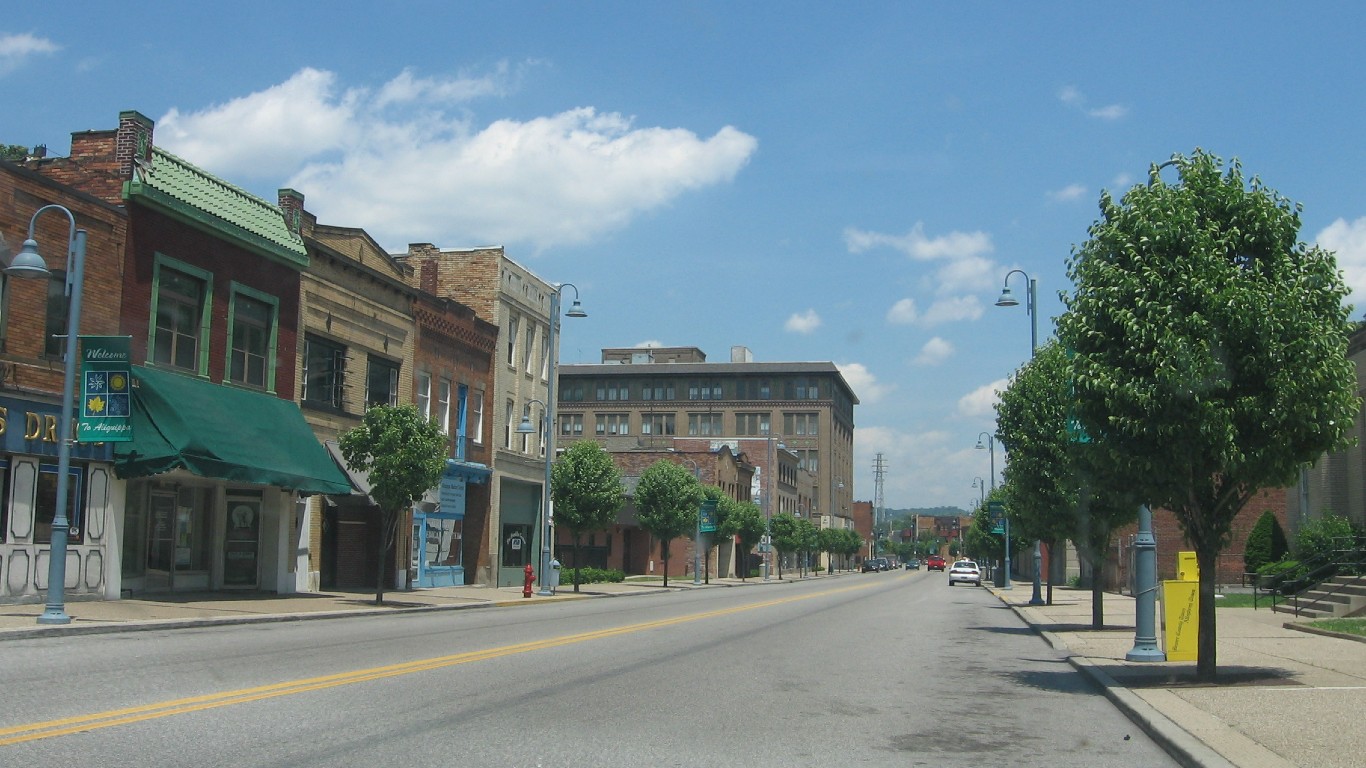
<point x="291" y="203"/>
<point x="132" y="143"/>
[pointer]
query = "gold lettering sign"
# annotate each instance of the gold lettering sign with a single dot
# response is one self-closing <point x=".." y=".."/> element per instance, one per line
<point x="38" y="426"/>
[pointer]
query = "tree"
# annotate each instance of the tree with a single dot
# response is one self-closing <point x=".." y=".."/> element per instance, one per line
<point x="667" y="499"/>
<point x="829" y="541"/>
<point x="404" y="456"/>
<point x="1210" y="352"/>
<point x="586" y="488"/>
<point x="1048" y="494"/>
<point x="784" y="536"/>
<point x="746" y="524"/>
<point x="1266" y="543"/>
<point x="725" y="508"/>
<point x="808" y="541"/>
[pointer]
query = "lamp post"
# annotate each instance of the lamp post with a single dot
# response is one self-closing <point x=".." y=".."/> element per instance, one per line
<point x="1032" y="308"/>
<point x="29" y="264"/>
<point x="697" y="535"/>
<point x="548" y="407"/>
<point x="991" y="446"/>
<point x="980" y="484"/>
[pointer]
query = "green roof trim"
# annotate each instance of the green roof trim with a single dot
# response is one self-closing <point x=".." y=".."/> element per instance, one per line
<point x="189" y="194"/>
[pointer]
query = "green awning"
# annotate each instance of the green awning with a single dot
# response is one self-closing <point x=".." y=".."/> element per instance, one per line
<point x="222" y="432"/>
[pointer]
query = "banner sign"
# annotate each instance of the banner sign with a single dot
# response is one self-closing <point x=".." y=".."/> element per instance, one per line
<point x="106" y="400"/>
<point x="708" y="516"/>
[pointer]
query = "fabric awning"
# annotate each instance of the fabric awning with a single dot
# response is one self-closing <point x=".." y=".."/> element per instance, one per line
<point x="223" y="432"/>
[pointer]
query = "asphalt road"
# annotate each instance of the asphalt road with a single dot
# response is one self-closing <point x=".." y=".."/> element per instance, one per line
<point x="883" y="669"/>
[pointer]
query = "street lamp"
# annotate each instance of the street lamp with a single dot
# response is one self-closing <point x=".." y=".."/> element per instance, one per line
<point x="548" y="407"/>
<point x="991" y="446"/>
<point x="28" y="264"/>
<point x="980" y="484"/>
<point x="1032" y="308"/>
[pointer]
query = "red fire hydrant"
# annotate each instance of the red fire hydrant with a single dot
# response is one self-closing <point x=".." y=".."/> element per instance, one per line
<point x="528" y="576"/>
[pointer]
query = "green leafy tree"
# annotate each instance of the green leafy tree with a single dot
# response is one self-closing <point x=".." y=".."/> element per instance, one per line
<point x="404" y="456"/>
<point x="786" y="540"/>
<point x="853" y="543"/>
<point x="829" y="541"/>
<point x="586" y="488"/>
<point x="667" y="500"/>
<point x="725" y="508"/>
<point x="808" y="541"/>
<point x="746" y="523"/>
<point x="1048" y="494"/>
<point x="1266" y="543"/>
<point x="1210" y="352"/>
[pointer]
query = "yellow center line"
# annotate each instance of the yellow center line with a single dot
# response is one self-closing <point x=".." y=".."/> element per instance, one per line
<point x="19" y="734"/>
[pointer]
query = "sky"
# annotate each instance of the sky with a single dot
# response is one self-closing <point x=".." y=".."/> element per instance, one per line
<point x="849" y="184"/>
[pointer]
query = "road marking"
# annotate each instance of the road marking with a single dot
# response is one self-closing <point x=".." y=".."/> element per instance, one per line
<point x="19" y="734"/>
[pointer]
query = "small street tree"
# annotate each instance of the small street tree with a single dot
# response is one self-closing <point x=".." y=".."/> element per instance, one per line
<point x="404" y="456"/>
<point x="808" y="541"/>
<point x="586" y="488"/>
<point x="725" y="508"/>
<point x="746" y="524"/>
<point x="1210" y="352"/>
<point x="783" y="532"/>
<point x="667" y="500"/>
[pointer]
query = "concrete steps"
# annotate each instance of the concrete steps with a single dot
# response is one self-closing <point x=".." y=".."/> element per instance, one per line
<point x="1335" y="598"/>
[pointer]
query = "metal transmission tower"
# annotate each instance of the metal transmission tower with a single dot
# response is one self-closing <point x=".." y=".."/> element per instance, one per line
<point x="879" y="470"/>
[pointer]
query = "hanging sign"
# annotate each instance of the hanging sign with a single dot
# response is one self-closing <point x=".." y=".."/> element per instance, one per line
<point x="106" y="401"/>
<point x="707" y="524"/>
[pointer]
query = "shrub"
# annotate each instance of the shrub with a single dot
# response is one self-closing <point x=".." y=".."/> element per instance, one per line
<point x="1318" y="538"/>
<point x="1266" y="543"/>
<point x="591" y="575"/>
<point x="1280" y="575"/>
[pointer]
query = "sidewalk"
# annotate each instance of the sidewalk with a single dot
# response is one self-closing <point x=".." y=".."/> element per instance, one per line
<point x="1285" y="697"/>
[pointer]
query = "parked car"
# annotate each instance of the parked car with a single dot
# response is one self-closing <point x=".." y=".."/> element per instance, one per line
<point x="870" y="565"/>
<point x="912" y="565"/>
<point x="965" y="571"/>
<point x="934" y="563"/>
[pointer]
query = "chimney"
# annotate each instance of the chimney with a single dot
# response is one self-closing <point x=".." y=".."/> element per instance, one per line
<point x="132" y="143"/>
<point x="427" y="277"/>
<point x="292" y="206"/>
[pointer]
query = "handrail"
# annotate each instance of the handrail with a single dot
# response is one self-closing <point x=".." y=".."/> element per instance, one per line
<point x="1347" y="554"/>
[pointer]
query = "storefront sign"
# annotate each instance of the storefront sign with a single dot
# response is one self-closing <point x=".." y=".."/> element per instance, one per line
<point x="106" y="402"/>
<point x="31" y="427"/>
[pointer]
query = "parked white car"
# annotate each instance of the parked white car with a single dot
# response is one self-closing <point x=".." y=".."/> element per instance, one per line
<point x="965" y="571"/>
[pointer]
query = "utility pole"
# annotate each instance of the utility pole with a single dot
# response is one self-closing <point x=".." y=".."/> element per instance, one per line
<point x="879" y="470"/>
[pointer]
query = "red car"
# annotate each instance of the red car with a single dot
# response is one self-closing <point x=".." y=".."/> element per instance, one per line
<point x="934" y="563"/>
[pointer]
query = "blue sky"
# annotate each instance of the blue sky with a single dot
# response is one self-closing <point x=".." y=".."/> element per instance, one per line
<point x="814" y="183"/>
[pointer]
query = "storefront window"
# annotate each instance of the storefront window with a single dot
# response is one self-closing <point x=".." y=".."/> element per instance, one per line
<point x="4" y="499"/>
<point x="516" y="545"/>
<point x="45" y="504"/>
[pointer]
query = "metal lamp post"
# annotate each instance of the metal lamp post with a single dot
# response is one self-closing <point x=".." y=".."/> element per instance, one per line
<point x="1032" y="308"/>
<point x="548" y="407"/>
<point x="991" y="447"/>
<point x="27" y="263"/>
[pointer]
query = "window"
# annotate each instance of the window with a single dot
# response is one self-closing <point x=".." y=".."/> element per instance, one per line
<point x="808" y="460"/>
<point x="706" y="390"/>
<point x="800" y="424"/>
<point x="657" y="391"/>
<point x="477" y="416"/>
<point x="509" y="425"/>
<point x="528" y="348"/>
<point x="424" y="395"/>
<point x="512" y="341"/>
<point x="613" y="392"/>
<point x="801" y="389"/>
<point x="45" y="503"/>
<point x="571" y="424"/>
<point x="657" y="424"/>
<point x="381" y="382"/>
<point x="251" y="348"/>
<point x="58" y="308"/>
<point x="704" y="424"/>
<point x="443" y="405"/>
<point x="613" y="424"/>
<point x="462" y="425"/>
<point x="748" y="424"/>
<point x="570" y="392"/>
<point x="324" y="373"/>
<point x="179" y="304"/>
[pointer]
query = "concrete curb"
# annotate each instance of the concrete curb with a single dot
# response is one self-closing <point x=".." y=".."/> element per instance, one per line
<point x="1324" y="632"/>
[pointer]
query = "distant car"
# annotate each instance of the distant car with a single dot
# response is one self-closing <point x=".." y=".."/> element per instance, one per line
<point x="965" y="571"/>
<point x="934" y="563"/>
<point x="912" y="565"/>
<point x="870" y="565"/>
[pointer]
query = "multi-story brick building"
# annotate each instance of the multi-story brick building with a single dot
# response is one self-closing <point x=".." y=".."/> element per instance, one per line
<point x="33" y="324"/>
<point x="793" y="421"/>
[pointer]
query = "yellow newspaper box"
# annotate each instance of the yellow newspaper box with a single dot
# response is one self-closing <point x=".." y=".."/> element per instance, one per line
<point x="1180" y="619"/>
<point x="1187" y="567"/>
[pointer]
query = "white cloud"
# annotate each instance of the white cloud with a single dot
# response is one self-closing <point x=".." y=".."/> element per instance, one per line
<point x="803" y="322"/>
<point x="952" y="310"/>
<point x="865" y="385"/>
<point x="1074" y="98"/>
<point x="916" y="245"/>
<point x="981" y="402"/>
<point x="17" y="50"/>
<point x="1348" y="240"/>
<point x="1068" y="193"/>
<point x="903" y="312"/>
<point x="395" y="163"/>
<point x="935" y="351"/>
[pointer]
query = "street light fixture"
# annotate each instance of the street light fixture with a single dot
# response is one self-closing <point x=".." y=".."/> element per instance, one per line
<point x="548" y="407"/>
<point x="1032" y="308"/>
<point x="28" y="264"/>
<point x="980" y="484"/>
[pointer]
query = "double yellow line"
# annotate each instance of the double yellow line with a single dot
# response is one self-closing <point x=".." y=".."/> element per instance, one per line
<point x="19" y="734"/>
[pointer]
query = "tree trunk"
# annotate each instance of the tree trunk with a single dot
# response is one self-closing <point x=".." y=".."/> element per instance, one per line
<point x="664" y="555"/>
<point x="1207" y="659"/>
<point x="386" y="535"/>
<point x="1097" y="605"/>
<point x="1051" y="570"/>
<point x="576" y="562"/>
